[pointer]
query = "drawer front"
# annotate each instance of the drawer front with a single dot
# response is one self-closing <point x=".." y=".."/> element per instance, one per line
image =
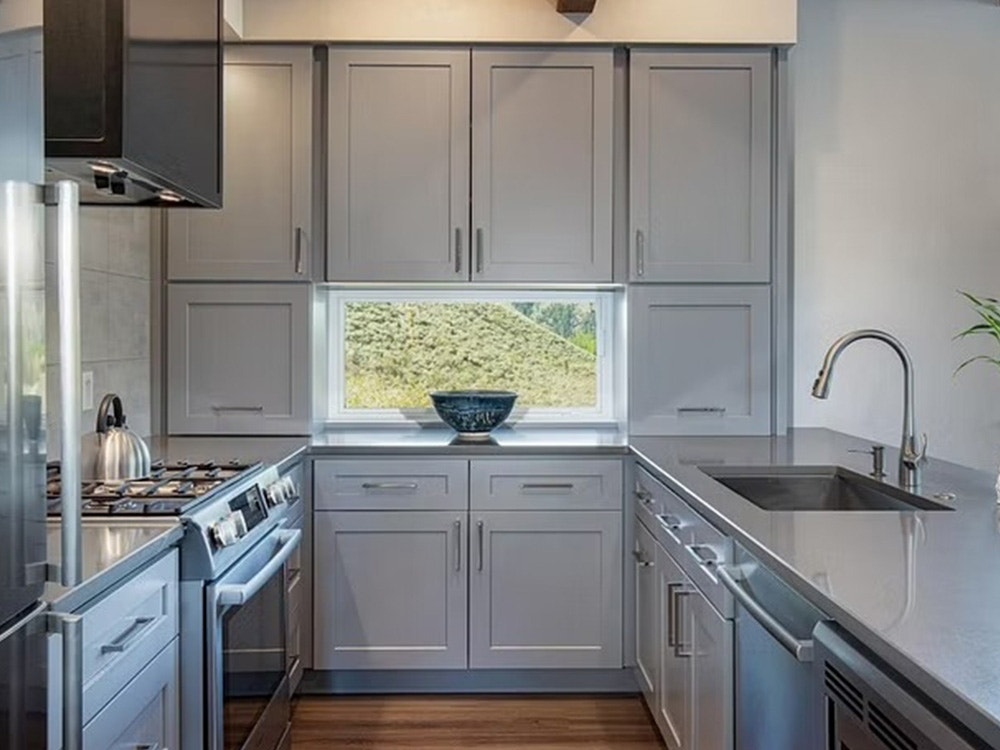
<point x="143" y="715"/>
<point x="127" y="628"/>
<point x="646" y="497"/>
<point x="390" y="484"/>
<point x="673" y="521"/>
<point x="546" y="484"/>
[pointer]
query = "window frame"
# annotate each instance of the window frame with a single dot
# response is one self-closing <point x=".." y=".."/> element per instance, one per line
<point x="606" y="309"/>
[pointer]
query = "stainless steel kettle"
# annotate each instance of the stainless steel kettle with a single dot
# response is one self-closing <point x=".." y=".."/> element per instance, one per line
<point x="122" y="454"/>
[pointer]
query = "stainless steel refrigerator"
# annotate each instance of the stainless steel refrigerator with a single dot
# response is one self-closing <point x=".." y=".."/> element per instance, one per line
<point x="28" y="633"/>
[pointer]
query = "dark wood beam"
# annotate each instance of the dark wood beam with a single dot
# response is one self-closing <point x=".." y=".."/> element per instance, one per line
<point x="576" y="6"/>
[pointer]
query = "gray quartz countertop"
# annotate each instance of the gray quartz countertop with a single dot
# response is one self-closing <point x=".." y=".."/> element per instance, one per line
<point x="112" y="550"/>
<point x="919" y="588"/>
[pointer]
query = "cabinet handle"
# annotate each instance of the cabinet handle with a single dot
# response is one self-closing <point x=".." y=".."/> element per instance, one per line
<point x="672" y="614"/>
<point x="671" y="524"/>
<point x="300" y="239"/>
<point x="458" y="249"/>
<point x="644" y="495"/>
<point x="479" y="250"/>
<point x="704" y="554"/>
<point x="564" y="486"/>
<point x="458" y="545"/>
<point x="640" y="253"/>
<point x="128" y="636"/>
<point x="639" y="561"/>
<point x="679" y="596"/>
<point x="718" y="411"/>
<point x="479" y="533"/>
<point x="409" y="486"/>
<point x="221" y="407"/>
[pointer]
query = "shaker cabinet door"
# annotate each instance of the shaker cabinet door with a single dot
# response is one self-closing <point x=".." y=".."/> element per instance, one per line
<point x="398" y="165"/>
<point x="263" y="232"/>
<point x="700" y="360"/>
<point x="545" y="589"/>
<point x="673" y="694"/>
<point x="238" y="359"/>
<point x="542" y="164"/>
<point x="647" y="623"/>
<point x="701" y="162"/>
<point x="711" y="649"/>
<point x="390" y="590"/>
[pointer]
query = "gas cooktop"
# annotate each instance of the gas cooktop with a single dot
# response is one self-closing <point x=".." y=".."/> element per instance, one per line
<point x="169" y="489"/>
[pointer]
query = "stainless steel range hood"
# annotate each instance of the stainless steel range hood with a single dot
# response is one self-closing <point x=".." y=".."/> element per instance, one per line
<point x="133" y="100"/>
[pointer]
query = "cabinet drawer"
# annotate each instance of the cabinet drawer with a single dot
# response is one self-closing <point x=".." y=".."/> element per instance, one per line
<point x="390" y="484"/>
<point x="127" y="628"/>
<point x="670" y="519"/>
<point x="145" y="713"/>
<point x="571" y="484"/>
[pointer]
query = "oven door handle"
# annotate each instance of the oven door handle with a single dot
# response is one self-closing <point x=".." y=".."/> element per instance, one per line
<point x="235" y="595"/>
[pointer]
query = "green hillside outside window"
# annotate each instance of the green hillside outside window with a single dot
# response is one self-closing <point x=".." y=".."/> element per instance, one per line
<point x="550" y="349"/>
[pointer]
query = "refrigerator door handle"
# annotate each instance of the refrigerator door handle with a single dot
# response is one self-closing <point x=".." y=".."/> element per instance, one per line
<point x="70" y="627"/>
<point x="65" y="196"/>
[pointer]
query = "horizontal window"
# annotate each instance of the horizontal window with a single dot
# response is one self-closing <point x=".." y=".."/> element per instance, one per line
<point x="390" y="349"/>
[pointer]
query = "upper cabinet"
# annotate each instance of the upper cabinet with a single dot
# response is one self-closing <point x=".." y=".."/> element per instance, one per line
<point x="416" y="194"/>
<point x="264" y="230"/>
<point x="398" y="165"/>
<point x="701" y="166"/>
<point x="542" y="165"/>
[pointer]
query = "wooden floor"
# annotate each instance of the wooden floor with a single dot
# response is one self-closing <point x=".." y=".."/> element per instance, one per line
<point x="428" y="723"/>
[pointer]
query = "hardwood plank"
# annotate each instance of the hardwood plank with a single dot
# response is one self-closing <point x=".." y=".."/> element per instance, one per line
<point x="483" y="722"/>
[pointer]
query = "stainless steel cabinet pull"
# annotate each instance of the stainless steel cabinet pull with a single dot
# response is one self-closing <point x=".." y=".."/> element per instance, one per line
<point x="672" y="614"/>
<point x="479" y="532"/>
<point x="801" y="649"/>
<point x="128" y="637"/>
<point x="704" y="410"/>
<point x="670" y="521"/>
<point x="644" y="495"/>
<point x="642" y="563"/>
<point x="458" y="250"/>
<point x="704" y="554"/>
<point x="300" y="239"/>
<point x="222" y="407"/>
<point x="66" y="197"/>
<point x="640" y="253"/>
<point x="410" y="486"/>
<point x="458" y="545"/>
<point x="565" y="486"/>
<point x="479" y="250"/>
<point x="680" y="595"/>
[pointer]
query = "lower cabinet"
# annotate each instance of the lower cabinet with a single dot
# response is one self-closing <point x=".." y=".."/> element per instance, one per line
<point x="684" y="653"/>
<point x="545" y="590"/>
<point x="144" y="713"/>
<point x="390" y="590"/>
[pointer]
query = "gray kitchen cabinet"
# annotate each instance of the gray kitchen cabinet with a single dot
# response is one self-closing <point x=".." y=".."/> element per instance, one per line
<point x="700" y="360"/>
<point x="390" y="590"/>
<point x="673" y="694"/>
<point x="710" y="649"/>
<point x="647" y="621"/>
<point x="238" y="359"/>
<point x="545" y="589"/>
<point x="145" y="714"/>
<point x="264" y="229"/>
<point x="398" y="164"/>
<point x="701" y="166"/>
<point x="542" y="164"/>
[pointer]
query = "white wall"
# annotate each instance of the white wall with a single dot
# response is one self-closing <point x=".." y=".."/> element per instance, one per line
<point x="897" y="107"/>
<point x="694" y="21"/>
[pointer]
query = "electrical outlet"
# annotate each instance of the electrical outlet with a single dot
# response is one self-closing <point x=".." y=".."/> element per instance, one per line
<point x="87" y="397"/>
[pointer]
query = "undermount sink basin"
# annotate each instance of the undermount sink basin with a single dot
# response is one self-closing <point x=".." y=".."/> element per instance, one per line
<point x="816" y="488"/>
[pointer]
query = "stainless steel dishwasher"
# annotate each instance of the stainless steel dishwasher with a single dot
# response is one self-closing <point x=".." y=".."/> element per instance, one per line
<point x="778" y="705"/>
<point x="867" y="708"/>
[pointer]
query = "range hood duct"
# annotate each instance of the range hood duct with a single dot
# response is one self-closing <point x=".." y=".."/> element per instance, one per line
<point x="133" y="100"/>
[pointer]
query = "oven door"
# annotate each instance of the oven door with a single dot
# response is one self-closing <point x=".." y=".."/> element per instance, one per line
<point x="247" y="647"/>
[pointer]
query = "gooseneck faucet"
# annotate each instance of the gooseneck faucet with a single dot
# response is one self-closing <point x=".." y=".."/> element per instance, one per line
<point x="910" y="457"/>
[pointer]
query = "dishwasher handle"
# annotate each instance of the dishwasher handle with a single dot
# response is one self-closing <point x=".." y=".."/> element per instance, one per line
<point x="801" y="649"/>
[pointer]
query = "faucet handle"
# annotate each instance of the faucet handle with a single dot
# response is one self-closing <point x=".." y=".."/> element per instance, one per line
<point x="877" y="452"/>
<point x="913" y="457"/>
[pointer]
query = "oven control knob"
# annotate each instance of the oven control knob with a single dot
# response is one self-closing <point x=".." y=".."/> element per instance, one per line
<point x="275" y="495"/>
<point x="224" y="532"/>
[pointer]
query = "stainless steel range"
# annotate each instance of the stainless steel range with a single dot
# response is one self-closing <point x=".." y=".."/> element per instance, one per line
<point x="234" y="639"/>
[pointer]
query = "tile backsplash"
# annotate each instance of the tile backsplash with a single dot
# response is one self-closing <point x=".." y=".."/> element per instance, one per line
<point x="115" y="272"/>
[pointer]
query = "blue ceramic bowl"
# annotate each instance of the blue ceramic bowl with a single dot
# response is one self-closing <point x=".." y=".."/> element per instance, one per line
<point x="473" y="414"/>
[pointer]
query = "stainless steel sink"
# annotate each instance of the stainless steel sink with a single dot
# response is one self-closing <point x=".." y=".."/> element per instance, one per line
<point x="816" y="488"/>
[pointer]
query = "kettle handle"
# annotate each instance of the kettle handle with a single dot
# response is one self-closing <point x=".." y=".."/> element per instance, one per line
<point x="110" y="401"/>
